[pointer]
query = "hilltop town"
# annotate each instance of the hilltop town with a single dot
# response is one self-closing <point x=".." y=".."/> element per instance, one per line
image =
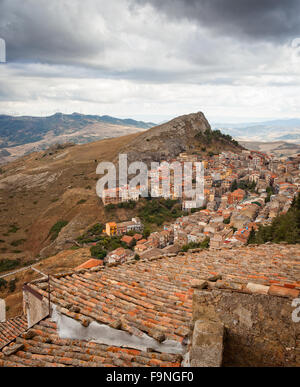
<point x="171" y="285"/>
<point x="242" y="191"/>
<point x="149" y="186"/>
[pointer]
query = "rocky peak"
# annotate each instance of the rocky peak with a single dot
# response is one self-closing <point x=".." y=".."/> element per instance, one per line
<point x="168" y="139"/>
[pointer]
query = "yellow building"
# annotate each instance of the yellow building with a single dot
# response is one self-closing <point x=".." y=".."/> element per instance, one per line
<point x="228" y="172"/>
<point x="111" y="228"/>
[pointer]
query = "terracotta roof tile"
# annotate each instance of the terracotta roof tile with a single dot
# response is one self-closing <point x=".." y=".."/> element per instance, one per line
<point x="12" y="328"/>
<point x="89" y="264"/>
<point x="155" y="295"/>
<point x="152" y="297"/>
<point x="43" y="347"/>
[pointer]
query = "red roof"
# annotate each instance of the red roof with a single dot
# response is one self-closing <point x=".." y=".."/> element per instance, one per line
<point x="127" y="239"/>
<point x="141" y="241"/>
<point x="89" y="264"/>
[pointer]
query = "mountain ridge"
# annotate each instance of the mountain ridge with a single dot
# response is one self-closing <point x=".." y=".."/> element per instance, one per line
<point x="24" y="134"/>
<point x="186" y="133"/>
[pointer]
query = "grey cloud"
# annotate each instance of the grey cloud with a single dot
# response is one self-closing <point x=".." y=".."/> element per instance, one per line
<point x="251" y="19"/>
<point x="70" y="53"/>
<point x="91" y="36"/>
<point x="47" y="31"/>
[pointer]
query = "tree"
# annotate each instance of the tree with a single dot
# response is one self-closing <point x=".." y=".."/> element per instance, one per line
<point x="234" y="186"/>
<point x="132" y="244"/>
<point x="284" y="228"/>
<point x="3" y="283"/>
<point x="251" y="238"/>
<point x="98" y="252"/>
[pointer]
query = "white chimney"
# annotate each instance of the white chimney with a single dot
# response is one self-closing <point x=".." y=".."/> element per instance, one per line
<point x="2" y="311"/>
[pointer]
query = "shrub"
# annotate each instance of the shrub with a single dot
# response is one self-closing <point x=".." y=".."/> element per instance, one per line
<point x="195" y="245"/>
<point x="158" y="211"/>
<point x="96" y="229"/>
<point x="8" y="264"/>
<point x="3" y="283"/>
<point x="12" y="285"/>
<point x="284" y="228"/>
<point x="18" y="242"/>
<point x="146" y="232"/>
<point x="13" y="228"/>
<point x="128" y="205"/>
<point x="98" y="252"/>
<point x="56" y="228"/>
<point x="110" y="207"/>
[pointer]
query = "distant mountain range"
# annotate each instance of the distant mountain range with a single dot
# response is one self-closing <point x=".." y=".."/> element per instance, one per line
<point x="277" y="148"/>
<point x="23" y="135"/>
<point x="276" y="130"/>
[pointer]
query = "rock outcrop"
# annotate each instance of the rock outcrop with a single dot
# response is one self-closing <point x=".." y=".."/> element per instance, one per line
<point x="167" y="140"/>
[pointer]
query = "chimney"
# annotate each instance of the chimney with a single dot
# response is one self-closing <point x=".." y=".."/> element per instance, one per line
<point x="2" y="311"/>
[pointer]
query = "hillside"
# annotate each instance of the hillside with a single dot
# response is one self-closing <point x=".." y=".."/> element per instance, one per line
<point x="189" y="133"/>
<point x="48" y="198"/>
<point x="11" y="286"/>
<point x="22" y="135"/>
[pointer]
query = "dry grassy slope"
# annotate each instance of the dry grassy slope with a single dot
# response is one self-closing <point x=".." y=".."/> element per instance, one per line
<point x="37" y="191"/>
<point x="61" y="262"/>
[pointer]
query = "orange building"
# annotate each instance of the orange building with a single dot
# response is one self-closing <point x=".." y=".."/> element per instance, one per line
<point x="111" y="228"/>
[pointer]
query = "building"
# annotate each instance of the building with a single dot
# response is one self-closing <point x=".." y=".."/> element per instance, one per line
<point x="119" y="255"/>
<point x="111" y="228"/>
<point x="134" y="224"/>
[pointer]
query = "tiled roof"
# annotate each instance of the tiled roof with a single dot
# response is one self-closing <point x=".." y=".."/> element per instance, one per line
<point x="42" y="347"/>
<point x="155" y="296"/>
<point x="12" y="328"/>
<point x="127" y="239"/>
<point x="89" y="264"/>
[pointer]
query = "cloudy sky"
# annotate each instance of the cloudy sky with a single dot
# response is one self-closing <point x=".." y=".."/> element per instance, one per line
<point x="235" y="60"/>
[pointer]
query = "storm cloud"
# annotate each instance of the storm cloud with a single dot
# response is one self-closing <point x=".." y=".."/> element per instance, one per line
<point x="254" y="19"/>
<point x="150" y="58"/>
